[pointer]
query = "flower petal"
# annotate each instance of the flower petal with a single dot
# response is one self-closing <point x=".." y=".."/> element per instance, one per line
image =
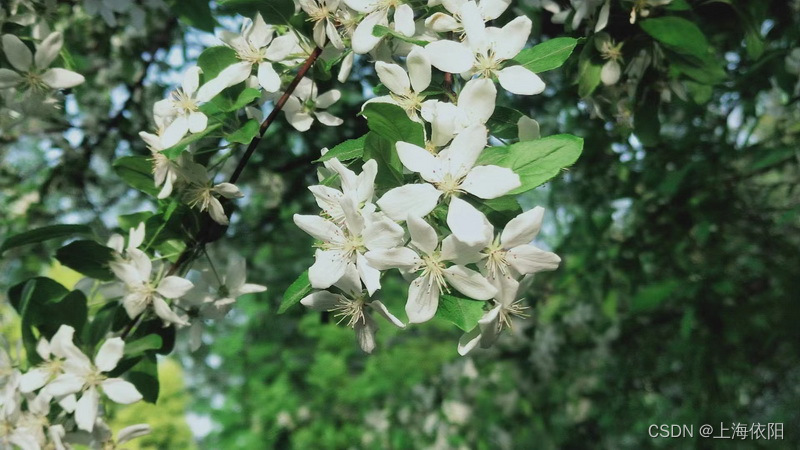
<point x="174" y="287"/>
<point x="419" y="69"/>
<point x="327" y="269"/>
<point x="9" y="78"/>
<point x="423" y="236"/>
<point x="469" y="225"/>
<point x="17" y="53"/>
<point x="469" y="282"/>
<point x="381" y="309"/>
<point x="320" y="301"/>
<point x="363" y="40"/>
<point x="404" y="20"/>
<point x="530" y="259"/>
<point x="521" y="81"/>
<point x="121" y="391"/>
<point x="450" y="56"/>
<point x="393" y="77"/>
<point x="370" y="275"/>
<point x="416" y="199"/>
<point x="478" y="99"/>
<point x="109" y="354"/>
<point x="423" y="299"/>
<point x="522" y="229"/>
<point x="511" y="39"/>
<point x="393" y="258"/>
<point x="365" y="333"/>
<point x="417" y="159"/>
<point x="319" y="228"/>
<point x="47" y="51"/>
<point x="268" y="78"/>
<point x="382" y="233"/>
<point x="33" y="379"/>
<point x="489" y="182"/>
<point x="86" y="409"/>
<point x="58" y="78"/>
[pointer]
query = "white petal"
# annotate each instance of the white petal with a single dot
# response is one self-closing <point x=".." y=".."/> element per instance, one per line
<point x="230" y="76"/>
<point x="174" y="287"/>
<point x="492" y="9"/>
<point x="328" y="119"/>
<point x="512" y="38"/>
<point x="528" y="129"/>
<point x="423" y="236"/>
<point x="423" y="300"/>
<point x="132" y="432"/>
<point x="465" y="150"/>
<point x="217" y="212"/>
<point x="363" y="40"/>
<point x="417" y="159"/>
<point x="365" y="334"/>
<point x="419" y="69"/>
<point x="393" y="77"/>
<point x="228" y="190"/>
<point x="121" y="391"/>
<point x="442" y="23"/>
<point x="47" y="51"/>
<point x="489" y="182"/>
<point x="400" y="257"/>
<point x="33" y="379"/>
<point x="602" y="17"/>
<point x="416" y="199"/>
<point x="191" y="80"/>
<point x="381" y="309"/>
<point x="58" y="78"/>
<point x="610" y="73"/>
<point x="450" y="56"/>
<point x="301" y="121"/>
<point x="165" y="313"/>
<point x="489" y="326"/>
<point x="461" y="253"/>
<point x="197" y="122"/>
<point x="350" y="283"/>
<point x="522" y="229"/>
<point x="324" y="101"/>
<point x="109" y="354"/>
<point x="362" y="6"/>
<point x="478" y="99"/>
<point x="268" y="78"/>
<point x="370" y="275"/>
<point x="474" y="27"/>
<point x="469" y="282"/>
<point x="469" y="341"/>
<point x="404" y="20"/>
<point x="521" y="81"/>
<point x="17" y="53"/>
<point x="65" y="384"/>
<point x="281" y="47"/>
<point x="468" y="224"/>
<point x="346" y="68"/>
<point x="320" y="301"/>
<point x="9" y="78"/>
<point x="327" y="269"/>
<point x="175" y="132"/>
<point x="319" y="228"/>
<point x="86" y="409"/>
<point x="530" y="259"/>
<point x="382" y="233"/>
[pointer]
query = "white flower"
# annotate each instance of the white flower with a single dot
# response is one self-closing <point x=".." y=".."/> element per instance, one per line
<point x="141" y="291"/>
<point x="255" y="46"/>
<point x="486" y="51"/>
<point x="215" y="293"/>
<point x="83" y="376"/>
<point x="642" y="8"/>
<point x="507" y="306"/>
<point x="344" y="246"/>
<point x="476" y="104"/>
<point x="165" y="171"/>
<point x="352" y="305"/>
<point x="428" y="260"/>
<point x="406" y="88"/>
<point x="201" y="192"/>
<point x="612" y="53"/>
<point x="450" y="172"/>
<point x="357" y="188"/>
<point x="53" y="353"/>
<point x="323" y="14"/>
<point x="304" y="105"/>
<point x="507" y="255"/>
<point x="33" y="68"/>
<point x="183" y="108"/>
<point x="442" y="22"/>
<point x="364" y="41"/>
<point x="135" y="240"/>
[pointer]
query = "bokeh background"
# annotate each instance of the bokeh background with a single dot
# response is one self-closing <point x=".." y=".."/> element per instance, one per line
<point x="676" y="303"/>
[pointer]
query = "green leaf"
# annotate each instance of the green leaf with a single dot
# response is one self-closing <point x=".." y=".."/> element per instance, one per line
<point x="383" y="151"/>
<point x="139" y="346"/>
<point x="645" y="120"/>
<point x="45" y="305"/>
<point x="548" y="55"/>
<point x="155" y="326"/>
<point x="500" y="210"/>
<point x="214" y="59"/>
<point x="706" y="70"/>
<point x="275" y="12"/>
<point x="297" y="290"/>
<point x="678" y="34"/>
<point x="537" y="161"/>
<point x="144" y="376"/>
<point x="347" y="150"/>
<point x="245" y="134"/>
<point x="392" y="122"/>
<point x="175" y="151"/>
<point x="88" y="258"/>
<point x="678" y="5"/>
<point x="381" y="31"/>
<point x="137" y="171"/>
<point x="503" y="123"/>
<point x="462" y="312"/>
<point x="195" y="13"/>
<point x="589" y="69"/>
<point x="43" y="234"/>
<point x="231" y="99"/>
<point x="128" y="221"/>
<point x="651" y="296"/>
